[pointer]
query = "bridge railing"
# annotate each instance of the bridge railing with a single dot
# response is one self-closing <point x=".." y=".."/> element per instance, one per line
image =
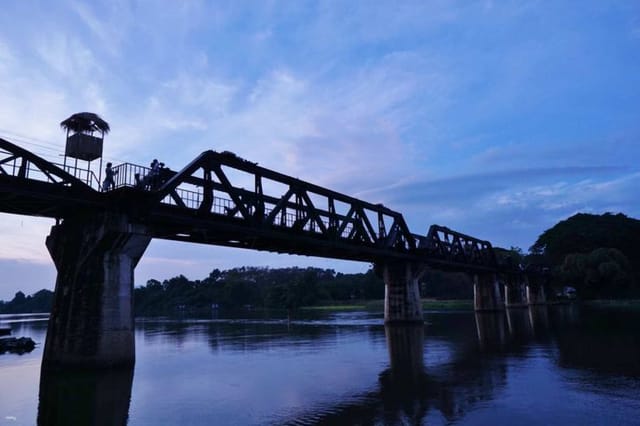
<point x="20" y="163"/>
<point x="87" y="176"/>
<point x="223" y="206"/>
<point x="132" y="175"/>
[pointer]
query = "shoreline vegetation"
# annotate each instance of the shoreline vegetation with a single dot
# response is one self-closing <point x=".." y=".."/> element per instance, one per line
<point x="377" y="305"/>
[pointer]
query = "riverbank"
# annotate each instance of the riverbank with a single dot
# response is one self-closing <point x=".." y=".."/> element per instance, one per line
<point x="631" y="304"/>
<point x="464" y="305"/>
<point x="378" y="305"/>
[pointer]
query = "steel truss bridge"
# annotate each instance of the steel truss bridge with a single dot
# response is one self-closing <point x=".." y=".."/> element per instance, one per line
<point x="222" y="199"/>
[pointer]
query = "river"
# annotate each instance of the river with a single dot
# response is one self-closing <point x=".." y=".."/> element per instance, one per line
<point x="557" y="365"/>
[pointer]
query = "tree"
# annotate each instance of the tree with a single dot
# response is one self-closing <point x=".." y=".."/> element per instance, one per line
<point x="583" y="233"/>
<point x="580" y="250"/>
<point x="19" y="298"/>
<point x="40" y="301"/>
<point x="605" y="272"/>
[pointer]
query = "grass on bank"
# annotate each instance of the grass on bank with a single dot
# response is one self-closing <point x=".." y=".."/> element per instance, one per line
<point x="461" y="305"/>
<point x="633" y="304"/>
<point x="378" y="305"/>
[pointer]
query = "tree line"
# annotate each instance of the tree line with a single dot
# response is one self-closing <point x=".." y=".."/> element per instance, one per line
<point x="39" y="302"/>
<point x="282" y="288"/>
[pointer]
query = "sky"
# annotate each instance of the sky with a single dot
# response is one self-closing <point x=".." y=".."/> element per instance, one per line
<point x="495" y="118"/>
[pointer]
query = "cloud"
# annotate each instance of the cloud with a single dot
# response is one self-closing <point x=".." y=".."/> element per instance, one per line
<point x="513" y="208"/>
<point x="468" y="188"/>
<point x="332" y="132"/>
<point x="107" y="26"/>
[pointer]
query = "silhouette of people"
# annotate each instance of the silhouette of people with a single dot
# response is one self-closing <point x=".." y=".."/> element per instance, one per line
<point x="154" y="178"/>
<point x="155" y="167"/>
<point x="109" y="182"/>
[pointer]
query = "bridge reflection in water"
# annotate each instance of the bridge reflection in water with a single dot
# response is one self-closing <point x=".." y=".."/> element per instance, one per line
<point x="85" y="397"/>
<point x="406" y="392"/>
<point x="410" y="393"/>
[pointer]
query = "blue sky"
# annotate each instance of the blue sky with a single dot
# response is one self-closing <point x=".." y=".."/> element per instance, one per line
<point x="497" y="119"/>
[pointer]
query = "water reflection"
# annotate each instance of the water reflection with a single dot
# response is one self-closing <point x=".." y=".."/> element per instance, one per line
<point x="603" y="342"/>
<point x="344" y="369"/>
<point x="85" y="397"/>
<point x="409" y="393"/>
<point x="253" y="334"/>
<point x="539" y="319"/>
<point x="405" y="388"/>
<point x="491" y="330"/>
<point x="518" y="323"/>
<point x="512" y="329"/>
<point x="600" y="341"/>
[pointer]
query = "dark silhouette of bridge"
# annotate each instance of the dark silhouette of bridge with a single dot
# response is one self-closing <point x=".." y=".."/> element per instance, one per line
<point x="200" y="204"/>
<point x="218" y="199"/>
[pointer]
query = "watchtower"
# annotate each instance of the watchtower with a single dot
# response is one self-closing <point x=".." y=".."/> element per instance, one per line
<point x="85" y="136"/>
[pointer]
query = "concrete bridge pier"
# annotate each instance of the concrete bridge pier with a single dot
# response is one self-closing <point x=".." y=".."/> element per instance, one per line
<point x="535" y="293"/>
<point x="515" y="295"/>
<point x="91" y="323"/>
<point x="486" y="293"/>
<point x="402" y="302"/>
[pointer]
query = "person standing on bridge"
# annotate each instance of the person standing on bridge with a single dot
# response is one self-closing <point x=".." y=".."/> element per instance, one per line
<point x="109" y="182"/>
<point x="154" y="174"/>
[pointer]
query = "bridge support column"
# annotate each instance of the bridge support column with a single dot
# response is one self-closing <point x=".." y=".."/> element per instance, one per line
<point x="402" y="302"/>
<point x="514" y="292"/>
<point x="535" y="293"/>
<point x="91" y="323"/>
<point x="486" y="293"/>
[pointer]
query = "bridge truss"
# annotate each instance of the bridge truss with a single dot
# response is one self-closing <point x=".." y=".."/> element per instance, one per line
<point x="33" y="186"/>
<point x="222" y="199"/>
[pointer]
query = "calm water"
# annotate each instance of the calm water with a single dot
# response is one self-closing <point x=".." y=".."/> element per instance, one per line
<point x="544" y="366"/>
